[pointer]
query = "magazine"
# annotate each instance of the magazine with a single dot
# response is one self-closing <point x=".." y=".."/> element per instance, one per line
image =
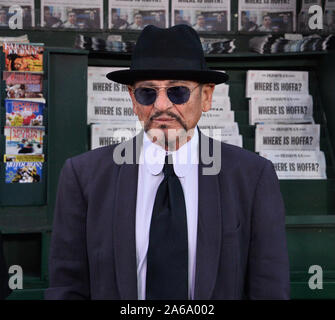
<point x="23" y="158"/>
<point x="23" y="113"/>
<point x="125" y="14"/>
<point x="23" y="172"/>
<point x="202" y="16"/>
<point x="72" y="14"/>
<point x="23" y="57"/>
<point x="266" y="16"/>
<point x="23" y="85"/>
<point x="24" y="140"/>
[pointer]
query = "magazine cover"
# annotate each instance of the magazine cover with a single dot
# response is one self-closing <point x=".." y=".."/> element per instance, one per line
<point x="23" y="172"/>
<point x="72" y="14"/>
<point x="23" y="113"/>
<point x="23" y="57"/>
<point x="123" y="14"/>
<point x="24" y="140"/>
<point x="28" y="12"/>
<point x="23" y="85"/>
<point x="202" y="16"/>
<point x="266" y="16"/>
<point x="23" y="158"/>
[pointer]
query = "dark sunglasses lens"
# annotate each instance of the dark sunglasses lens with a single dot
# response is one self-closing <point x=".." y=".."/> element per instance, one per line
<point x="178" y="95"/>
<point x="145" y="96"/>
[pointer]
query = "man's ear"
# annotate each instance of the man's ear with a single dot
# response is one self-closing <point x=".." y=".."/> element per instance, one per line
<point x="131" y="93"/>
<point x="206" y="96"/>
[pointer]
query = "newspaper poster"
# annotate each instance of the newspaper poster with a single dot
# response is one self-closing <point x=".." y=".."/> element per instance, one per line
<point x="267" y="15"/>
<point x="106" y="134"/>
<point x="23" y="158"/>
<point x="24" y="140"/>
<point x="23" y="113"/>
<point x="221" y="90"/>
<point x="107" y="100"/>
<point x="23" y="172"/>
<point x="226" y="129"/>
<point x="72" y="14"/>
<point x="281" y="109"/>
<point x="136" y="14"/>
<point x="303" y="16"/>
<point x="208" y="15"/>
<point x="216" y="117"/>
<point x="261" y="82"/>
<point x="28" y="13"/>
<point x="287" y="137"/>
<point x="329" y="16"/>
<point x="23" y="57"/>
<point x="23" y="85"/>
<point x="297" y="164"/>
<point x="221" y="102"/>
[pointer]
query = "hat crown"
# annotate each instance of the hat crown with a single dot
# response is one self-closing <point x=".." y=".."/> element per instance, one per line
<point x="175" y="48"/>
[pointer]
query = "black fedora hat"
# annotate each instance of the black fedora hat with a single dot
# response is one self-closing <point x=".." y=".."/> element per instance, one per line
<point x="168" y="54"/>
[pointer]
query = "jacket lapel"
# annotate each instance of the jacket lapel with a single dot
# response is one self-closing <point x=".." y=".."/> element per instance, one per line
<point x="209" y="229"/>
<point x="124" y="225"/>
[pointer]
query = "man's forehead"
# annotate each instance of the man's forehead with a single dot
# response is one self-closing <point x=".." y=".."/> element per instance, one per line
<point x="155" y="83"/>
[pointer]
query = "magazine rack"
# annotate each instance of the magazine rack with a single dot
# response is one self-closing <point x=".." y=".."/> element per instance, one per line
<point x="22" y="194"/>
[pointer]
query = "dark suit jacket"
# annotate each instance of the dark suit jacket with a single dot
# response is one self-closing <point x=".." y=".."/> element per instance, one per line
<point x="241" y="241"/>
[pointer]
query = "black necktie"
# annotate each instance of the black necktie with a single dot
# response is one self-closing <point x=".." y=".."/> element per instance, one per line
<point x="167" y="258"/>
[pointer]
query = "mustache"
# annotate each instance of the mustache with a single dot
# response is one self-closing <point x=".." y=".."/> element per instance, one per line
<point x="170" y="114"/>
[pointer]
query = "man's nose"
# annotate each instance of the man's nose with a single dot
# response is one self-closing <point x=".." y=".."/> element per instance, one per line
<point x="162" y="102"/>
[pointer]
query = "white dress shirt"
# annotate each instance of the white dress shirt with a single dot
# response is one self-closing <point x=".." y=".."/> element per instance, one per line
<point x="150" y="175"/>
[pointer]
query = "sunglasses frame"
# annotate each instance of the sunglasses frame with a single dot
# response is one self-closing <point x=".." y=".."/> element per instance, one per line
<point x="158" y="88"/>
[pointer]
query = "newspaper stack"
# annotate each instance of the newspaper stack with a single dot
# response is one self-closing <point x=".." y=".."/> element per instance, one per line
<point x="218" y="46"/>
<point x="98" y="44"/>
<point x="24" y="130"/>
<point x="282" y="109"/>
<point x="109" y="109"/>
<point x="218" y="122"/>
<point x="278" y="44"/>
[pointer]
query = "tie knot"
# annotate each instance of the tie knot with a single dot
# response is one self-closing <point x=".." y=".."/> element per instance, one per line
<point x="168" y="166"/>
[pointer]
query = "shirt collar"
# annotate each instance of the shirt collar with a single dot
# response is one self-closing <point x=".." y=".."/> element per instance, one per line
<point x="153" y="156"/>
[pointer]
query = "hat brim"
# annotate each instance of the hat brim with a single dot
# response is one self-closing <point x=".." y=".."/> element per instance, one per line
<point x="129" y="77"/>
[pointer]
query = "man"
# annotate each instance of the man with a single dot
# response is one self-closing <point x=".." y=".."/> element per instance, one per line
<point x="266" y="26"/>
<point x="117" y="22"/>
<point x="71" y="21"/>
<point x="138" y="22"/>
<point x="200" y="24"/>
<point x="50" y="20"/>
<point x="247" y="24"/>
<point x="170" y="214"/>
<point x="221" y="22"/>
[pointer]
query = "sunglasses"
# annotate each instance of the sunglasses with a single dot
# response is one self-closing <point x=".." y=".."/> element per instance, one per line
<point x="177" y="94"/>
